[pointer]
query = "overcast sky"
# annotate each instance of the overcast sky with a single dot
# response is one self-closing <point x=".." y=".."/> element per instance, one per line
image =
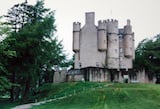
<point x="144" y="15"/>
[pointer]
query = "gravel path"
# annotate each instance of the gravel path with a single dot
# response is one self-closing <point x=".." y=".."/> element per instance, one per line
<point x="28" y="106"/>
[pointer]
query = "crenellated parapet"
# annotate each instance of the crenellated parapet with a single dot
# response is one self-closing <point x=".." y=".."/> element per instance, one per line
<point x="112" y="26"/>
<point x="76" y="26"/>
<point x="102" y="25"/>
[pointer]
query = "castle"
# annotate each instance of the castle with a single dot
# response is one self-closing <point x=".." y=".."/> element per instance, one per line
<point x="105" y="46"/>
<point x="103" y="53"/>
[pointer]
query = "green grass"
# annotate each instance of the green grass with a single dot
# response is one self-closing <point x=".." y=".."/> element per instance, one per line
<point x="49" y="91"/>
<point x="117" y="96"/>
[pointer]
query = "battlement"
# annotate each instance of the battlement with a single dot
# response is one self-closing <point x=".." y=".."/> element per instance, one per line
<point x="102" y="25"/>
<point x="112" y="26"/>
<point x="76" y="26"/>
<point x="112" y="20"/>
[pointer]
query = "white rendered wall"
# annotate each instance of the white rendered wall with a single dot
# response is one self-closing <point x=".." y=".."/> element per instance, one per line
<point x="89" y="54"/>
<point x="113" y="44"/>
<point x="76" y="61"/>
<point x="113" y="51"/>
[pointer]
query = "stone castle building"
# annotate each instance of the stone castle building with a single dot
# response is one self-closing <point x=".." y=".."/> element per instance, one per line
<point x="104" y="45"/>
<point x="102" y="48"/>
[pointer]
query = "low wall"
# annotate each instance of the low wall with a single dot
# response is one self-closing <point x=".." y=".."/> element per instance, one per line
<point x="59" y="76"/>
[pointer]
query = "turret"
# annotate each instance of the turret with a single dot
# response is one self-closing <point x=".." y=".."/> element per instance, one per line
<point x="128" y="40"/>
<point x="76" y="36"/>
<point x="113" y="44"/>
<point x="128" y="28"/>
<point x="102" y="38"/>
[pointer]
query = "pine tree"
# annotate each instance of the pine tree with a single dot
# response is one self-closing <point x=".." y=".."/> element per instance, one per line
<point x="5" y="84"/>
<point x="37" y="49"/>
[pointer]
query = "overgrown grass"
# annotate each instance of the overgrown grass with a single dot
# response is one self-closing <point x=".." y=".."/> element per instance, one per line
<point x="117" y="96"/>
<point x="49" y="91"/>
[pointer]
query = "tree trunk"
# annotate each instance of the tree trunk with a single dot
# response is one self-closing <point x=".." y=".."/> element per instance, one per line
<point x="12" y="91"/>
<point x="26" y="90"/>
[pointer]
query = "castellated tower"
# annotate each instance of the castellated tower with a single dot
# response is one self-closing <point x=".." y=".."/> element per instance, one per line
<point x="126" y="43"/>
<point x="104" y="45"/>
<point x="76" y="41"/>
<point x="128" y="40"/>
<point x="102" y="35"/>
<point x="113" y="45"/>
<point x="76" y="35"/>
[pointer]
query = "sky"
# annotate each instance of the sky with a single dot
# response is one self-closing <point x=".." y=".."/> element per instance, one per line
<point x="144" y="16"/>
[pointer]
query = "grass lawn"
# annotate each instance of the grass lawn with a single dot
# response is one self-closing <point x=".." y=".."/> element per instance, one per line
<point x="117" y="96"/>
<point x="49" y="90"/>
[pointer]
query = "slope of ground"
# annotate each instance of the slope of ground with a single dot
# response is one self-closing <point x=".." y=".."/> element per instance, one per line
<point x="49" y="91"/>
<point x="117" y="96"/>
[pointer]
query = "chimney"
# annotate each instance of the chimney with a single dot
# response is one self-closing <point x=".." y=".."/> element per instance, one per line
<point x="90" y="18"/>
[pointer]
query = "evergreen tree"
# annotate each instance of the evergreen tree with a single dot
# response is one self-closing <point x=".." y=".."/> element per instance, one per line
<point x="37" y="49"/>
<point x="5" y="84"/>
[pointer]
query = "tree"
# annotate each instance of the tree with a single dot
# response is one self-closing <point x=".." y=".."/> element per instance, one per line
<point x="18" y="16"/>
<point x="148" y="56"/>
<point x="37" y="49"/>
<point x="5" y="84"/>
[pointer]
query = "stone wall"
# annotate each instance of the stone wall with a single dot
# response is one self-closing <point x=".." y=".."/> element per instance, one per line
<point x="59" y="76"/>
<point x="98" y="74"/>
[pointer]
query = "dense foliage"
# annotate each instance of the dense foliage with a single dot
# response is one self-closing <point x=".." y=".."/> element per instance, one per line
<point x="5" y="53"/>
<point x="31" y="37"/>
<point x="148" y="56"/>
